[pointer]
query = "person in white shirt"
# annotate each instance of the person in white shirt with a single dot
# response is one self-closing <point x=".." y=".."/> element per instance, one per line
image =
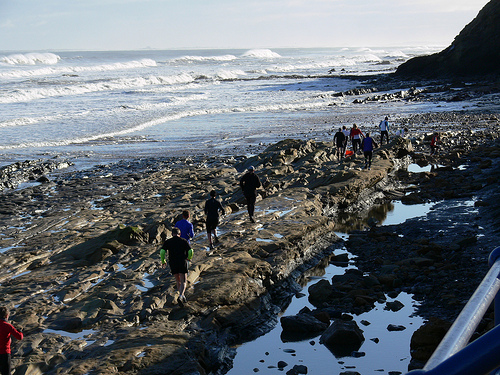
<point x="384" y="130"/>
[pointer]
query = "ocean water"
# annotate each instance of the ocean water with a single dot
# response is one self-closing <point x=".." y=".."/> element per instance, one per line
<point x="114" y="105"/>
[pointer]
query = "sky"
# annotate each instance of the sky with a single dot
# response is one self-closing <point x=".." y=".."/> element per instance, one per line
<point x="52" y="25"/>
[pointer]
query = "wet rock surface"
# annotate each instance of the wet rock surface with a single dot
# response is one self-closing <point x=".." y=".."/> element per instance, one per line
<point x="80" y="262"/>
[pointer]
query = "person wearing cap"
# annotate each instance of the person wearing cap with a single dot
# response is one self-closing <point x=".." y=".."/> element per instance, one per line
<point x="179" y="252"/>
<point x="212" y="208"/>
<point x="249" y="183"/>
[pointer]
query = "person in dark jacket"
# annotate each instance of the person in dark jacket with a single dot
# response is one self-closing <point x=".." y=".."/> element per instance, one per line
<point x="179" y="252"/>
<point x="368" y="145"/>
<point x="212" y="209"/>
<point x="339" y="140"/>
<point x="249" y="183"/>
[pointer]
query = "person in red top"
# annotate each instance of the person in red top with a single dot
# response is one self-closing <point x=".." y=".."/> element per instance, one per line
<point x="435" y="143"/>
<point x="7" y="330"/>
<point x="356" y="137"/>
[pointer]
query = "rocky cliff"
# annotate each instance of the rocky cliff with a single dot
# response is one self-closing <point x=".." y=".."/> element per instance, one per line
<point x="474" y="52"/>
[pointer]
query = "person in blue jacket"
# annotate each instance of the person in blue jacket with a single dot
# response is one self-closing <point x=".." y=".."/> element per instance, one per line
<point x="185" y="226"/>
<point x="367" y="146"/>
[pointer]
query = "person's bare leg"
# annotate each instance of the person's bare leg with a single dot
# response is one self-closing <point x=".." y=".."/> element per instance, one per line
<point x="182" y="284"/>
<point x="177" y="280"/>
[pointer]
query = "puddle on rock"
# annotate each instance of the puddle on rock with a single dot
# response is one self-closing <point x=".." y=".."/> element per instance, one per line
<point x="264" y="240"/>
<point x="392" y="213"/>
<point x="401" y="212"/>
<point x="81" y="335"/>
<point x="3" y="250"/>
<point x="20" y="274"/>
<point x="147" y="283"/>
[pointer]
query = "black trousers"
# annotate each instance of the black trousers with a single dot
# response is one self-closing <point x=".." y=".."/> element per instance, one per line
<point x="356" y="144"/>
<point x="251" y="198"/>
<point x="5" y="364"/>
<point x="386" y="133"/>
<point x="368" y="158"/>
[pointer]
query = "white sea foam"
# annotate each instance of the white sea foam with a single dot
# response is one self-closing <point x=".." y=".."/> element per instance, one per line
<point x="23" y="121"/>
<point x="175" y="102"/>
<point x="261" y="53"/>
<point x="397" y="54"/>
<point x="114" y="135"/>
<point x="33" y="58"/>
<point x="230" y="74"/>
<point x="341" y="61"/>
<point x="80" y="89"/>
<point x="48" y="71"/>
<point x="204" y="58"/>
<point x="109" y="98"/>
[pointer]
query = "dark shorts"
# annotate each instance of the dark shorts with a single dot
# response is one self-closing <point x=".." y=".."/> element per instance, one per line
<point x="251" y="198"/>
<point x="211" y="224"/>
<point x="178" y="266"/>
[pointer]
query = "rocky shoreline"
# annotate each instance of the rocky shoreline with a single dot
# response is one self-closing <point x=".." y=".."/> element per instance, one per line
<point x="80" y="250"/>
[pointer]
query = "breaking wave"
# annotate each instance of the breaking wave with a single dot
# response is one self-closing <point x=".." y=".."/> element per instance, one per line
<point x="33" y="58"/>
<point x="77" y="69"/>
<point x="261" y="53"/>
<point x="204" y="58"/>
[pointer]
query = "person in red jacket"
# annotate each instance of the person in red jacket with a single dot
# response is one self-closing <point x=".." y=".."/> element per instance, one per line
<point x="7" y="330"/>
<point x="356" y="138"/>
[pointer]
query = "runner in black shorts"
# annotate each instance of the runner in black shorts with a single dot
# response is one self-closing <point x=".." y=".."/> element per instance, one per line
<point x="178" y="250"/>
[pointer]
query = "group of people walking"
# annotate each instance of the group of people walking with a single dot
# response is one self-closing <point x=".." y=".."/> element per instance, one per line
<point x="178" y="247"/>
<point x="359" y="141"/>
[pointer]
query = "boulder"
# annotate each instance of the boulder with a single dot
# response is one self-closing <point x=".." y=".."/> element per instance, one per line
<point x="426" y="339"/>
<point x="301" y="326"/>
<point x="394" y="306"/>
<point x="395" y="327"/>
<point x="342" y="338"/>
<point x="320" y="292"/>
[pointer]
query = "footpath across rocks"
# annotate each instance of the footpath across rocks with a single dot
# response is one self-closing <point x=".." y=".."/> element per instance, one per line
<point x="80" y="253"/>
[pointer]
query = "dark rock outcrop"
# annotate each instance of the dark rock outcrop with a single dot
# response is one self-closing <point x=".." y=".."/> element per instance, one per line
<point x="474" y="52"/>
<point x="301" y="326"/>
<point x="342" y="338"/>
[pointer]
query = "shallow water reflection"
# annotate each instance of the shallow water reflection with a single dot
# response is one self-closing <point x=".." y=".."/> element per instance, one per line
<point x="381" y="352"/>
<point x="392" y="213"/>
